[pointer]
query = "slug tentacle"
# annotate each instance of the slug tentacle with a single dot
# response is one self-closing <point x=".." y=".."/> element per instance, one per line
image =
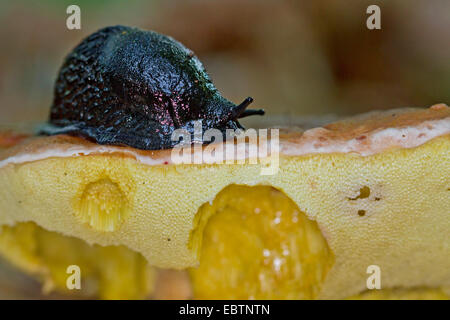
<point x="126" y="86"/>
<point x="241" y="111"/>
<point x="237" y="111"/>
<point x="252" y="112"/>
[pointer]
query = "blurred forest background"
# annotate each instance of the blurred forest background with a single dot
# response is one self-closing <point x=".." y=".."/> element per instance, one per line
<point x="294" y="58"/>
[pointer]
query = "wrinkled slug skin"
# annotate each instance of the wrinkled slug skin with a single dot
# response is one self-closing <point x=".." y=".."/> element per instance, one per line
<point x="390" y="208"/>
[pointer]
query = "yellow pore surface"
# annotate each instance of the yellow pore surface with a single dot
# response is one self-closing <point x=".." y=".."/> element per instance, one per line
<point x="258" y="245"/>
<point x="102" y="205"/>
<point x="403" y="294"/>
<point x="112" y="272"/>
<point x="389" y="209"/>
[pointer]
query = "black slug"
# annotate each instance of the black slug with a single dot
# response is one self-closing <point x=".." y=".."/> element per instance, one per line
<point x="130" y="87"/>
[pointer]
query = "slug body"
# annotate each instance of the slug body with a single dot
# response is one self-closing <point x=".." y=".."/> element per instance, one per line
<point x="126" y="86"/>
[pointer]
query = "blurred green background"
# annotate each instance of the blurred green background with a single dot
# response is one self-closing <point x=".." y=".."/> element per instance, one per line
<point x="293" y="57"/>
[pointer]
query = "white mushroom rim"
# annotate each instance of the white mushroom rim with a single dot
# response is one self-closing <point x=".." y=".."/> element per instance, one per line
<point x="251" y="146"/>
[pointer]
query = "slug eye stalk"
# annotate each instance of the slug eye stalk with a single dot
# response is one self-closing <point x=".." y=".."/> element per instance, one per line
<point x="241" y="110"/>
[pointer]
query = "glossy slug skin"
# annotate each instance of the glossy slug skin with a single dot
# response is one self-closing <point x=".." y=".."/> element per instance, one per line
<point x="126" y="86"/>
